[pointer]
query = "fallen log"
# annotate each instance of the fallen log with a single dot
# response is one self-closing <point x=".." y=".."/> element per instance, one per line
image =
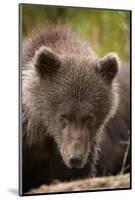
<point x="111" y="182"/>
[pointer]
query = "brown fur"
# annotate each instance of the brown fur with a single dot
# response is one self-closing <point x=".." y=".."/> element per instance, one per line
<point x="69" y="97"/>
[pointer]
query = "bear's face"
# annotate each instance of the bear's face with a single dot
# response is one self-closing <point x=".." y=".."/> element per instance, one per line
<point x="76" y="135"/>
<point x="74" y="99"/>
<point x="79" y="109"/>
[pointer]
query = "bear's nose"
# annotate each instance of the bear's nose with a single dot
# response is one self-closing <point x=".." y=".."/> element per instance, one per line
<point x="75" y="160"/>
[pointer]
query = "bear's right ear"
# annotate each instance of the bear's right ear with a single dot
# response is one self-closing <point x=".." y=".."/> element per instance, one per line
<point x="107" y="67"/>
<point x="46" y="62"/>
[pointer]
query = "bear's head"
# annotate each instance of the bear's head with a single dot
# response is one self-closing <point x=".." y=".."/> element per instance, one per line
<point x="71" y="97"/>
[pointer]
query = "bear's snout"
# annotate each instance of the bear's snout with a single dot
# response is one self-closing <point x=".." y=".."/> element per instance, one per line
<point x="75" y="160"/>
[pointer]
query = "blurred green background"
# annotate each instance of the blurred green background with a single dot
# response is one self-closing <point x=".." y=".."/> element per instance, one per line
<point x="105" y="30"/>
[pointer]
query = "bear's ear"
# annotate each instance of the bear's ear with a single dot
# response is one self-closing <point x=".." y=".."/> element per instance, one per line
<point x="107" y="67"/>
<point x="46" y="62"/>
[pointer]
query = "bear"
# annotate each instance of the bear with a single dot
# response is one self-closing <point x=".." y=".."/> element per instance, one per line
<point x="75" y="109"/>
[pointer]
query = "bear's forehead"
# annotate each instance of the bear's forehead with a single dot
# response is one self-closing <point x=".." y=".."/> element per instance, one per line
<point x="81" y="94"/>
<point x="78" y="77"/>
<point x="78" y="86"/>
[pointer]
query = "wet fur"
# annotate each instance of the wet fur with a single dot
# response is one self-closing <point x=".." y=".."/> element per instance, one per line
<point x="39" y="142"/>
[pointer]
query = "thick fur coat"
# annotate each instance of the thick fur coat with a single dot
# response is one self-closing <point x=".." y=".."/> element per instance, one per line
<point x="75" y="109"/>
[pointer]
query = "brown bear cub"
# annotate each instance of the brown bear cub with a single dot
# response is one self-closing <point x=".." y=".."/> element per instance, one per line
<point x="75" y="109"/>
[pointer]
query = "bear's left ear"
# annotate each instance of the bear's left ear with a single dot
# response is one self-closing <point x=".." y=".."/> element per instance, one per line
<point x="46" y="61"/>
<point x="107" y="67"/>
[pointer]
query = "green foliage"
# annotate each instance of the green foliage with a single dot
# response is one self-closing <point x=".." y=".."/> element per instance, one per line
<point x="105" y="30"/>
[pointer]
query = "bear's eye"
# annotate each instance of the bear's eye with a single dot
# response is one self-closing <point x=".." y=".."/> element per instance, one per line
<point x="63" y="120"/>
<point x="88" y="120"/>
<point x="63" y="117"/>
